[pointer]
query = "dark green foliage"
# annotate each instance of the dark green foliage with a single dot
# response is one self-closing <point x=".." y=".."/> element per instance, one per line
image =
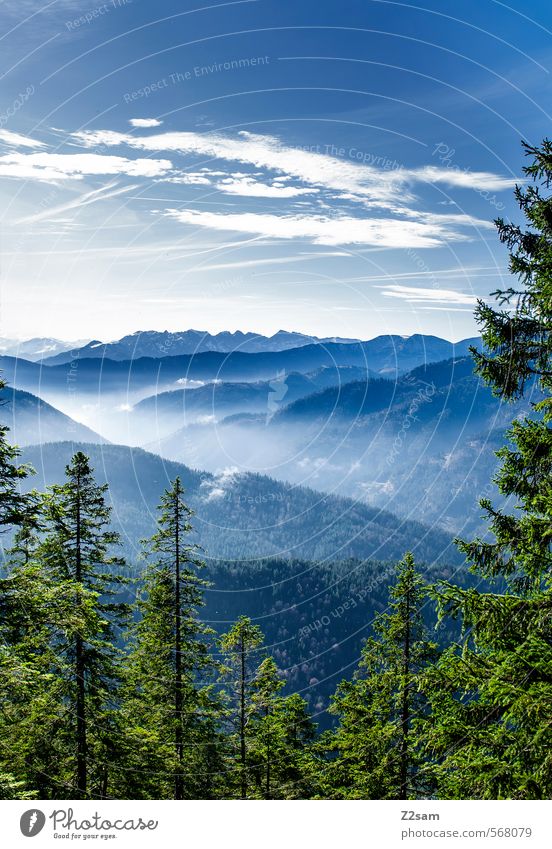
<point x="269" y="735"/>
<point x="240" y="649"/>
<point x="62" y="612"/>
<point x="169" y="711"/>
<point x="493" y="703"/>
<point x="279" y="732"/>
<point x="376" y="746"/>
<point x="12" y="502"/>
<point x="76" y="552"/>
<point x="315" y="616"/>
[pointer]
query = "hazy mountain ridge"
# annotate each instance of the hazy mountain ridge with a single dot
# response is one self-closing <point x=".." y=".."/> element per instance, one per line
<point x="96" y="390"/>
<point x="389" y="353"/>
<point x="417" y="445"/>
<point x="152" y="343"/>
<point x="423" y="446"/>
<point x="243" y="516"/>
<point x="39" y="348"/>
<point x="363" y="397"/>
<point x="167" y="412"/>
<point x="32" y="420"/>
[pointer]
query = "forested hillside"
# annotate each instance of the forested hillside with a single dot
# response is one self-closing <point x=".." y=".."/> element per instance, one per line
<point x="242" y="516"/>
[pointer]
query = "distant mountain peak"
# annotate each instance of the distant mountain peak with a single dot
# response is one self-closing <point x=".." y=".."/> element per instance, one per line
<point x="38" y="348"/>
<point x="163" y="343"/>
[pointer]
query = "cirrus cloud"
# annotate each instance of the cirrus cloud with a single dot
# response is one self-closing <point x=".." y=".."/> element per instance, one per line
<point x="61" y="166"/>
<point x="326" y="230"/>
<point x="17" y="140"/>
<point x="419" y="295"/>
<point x="360" y="182"/>
<point x="248" y="187"/>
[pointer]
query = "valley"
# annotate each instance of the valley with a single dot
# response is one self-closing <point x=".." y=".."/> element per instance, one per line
<point x="394" y="424"/>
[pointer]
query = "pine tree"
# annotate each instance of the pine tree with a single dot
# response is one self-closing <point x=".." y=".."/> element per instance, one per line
<point x="279" y="734"/>
<point x="16" y="509"/>
<point x="170" y="713"/>
<point x="29" y="607"/>
<point x="34" y="610"/>
<point x="263" y="724"/>
<point x="13" y="502"/>
<point x="492" y="735"/>
<point x="298" y="765"/>
<point x="76" y="556"/>
<point x="375" y="748"/>
<point x="240" y="647"/>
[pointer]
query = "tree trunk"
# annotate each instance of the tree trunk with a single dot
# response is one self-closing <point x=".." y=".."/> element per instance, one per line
<point x="80" y="665"/>
<point x="405" y="712"/>
<point x="178" y="742"/>
<point x="242" y="721"/>
<point x="268" y="755"/>
<point x="105" y="781"/>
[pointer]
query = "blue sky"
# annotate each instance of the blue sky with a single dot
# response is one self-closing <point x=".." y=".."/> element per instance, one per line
<point x="332" y="168"/>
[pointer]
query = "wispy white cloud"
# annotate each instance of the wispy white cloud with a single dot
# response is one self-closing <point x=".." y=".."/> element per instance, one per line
<point x="187" y="383"/>
<point x="390" y="215"/>
<point x="356" y="181"/>
<point x="459" y="219"/>
<point x="266" y="152"/>
<point x="324" y="230"/>
<point x="16" y="140"/>
<point x="244" y="185"/>
<point x="448" y="309"/>
<point x="249" y="187"/>
<point x="191" y="178"/>
<point x="59" y="166"/>
<point x="219" y="484"/>
<point x="276" y="260"/>
<point x="458" y="178"/>
<point x="419" y="295"/>
<point x="145" y="122"/>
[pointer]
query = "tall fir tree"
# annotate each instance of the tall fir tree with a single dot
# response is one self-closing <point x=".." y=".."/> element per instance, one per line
<point x="375" y="749"/>
<point x="279" y="735"/>
<point x="492" y="736"/>
<point x="240" y="647"/>
<point x="16" y="509"/>
<point x="262" y="727"/>
<point x="170" y="709"/>
<point x="76" y="553"/>
<point x="28" y="608"/>
<point x="13" y="502"/>
<point x="34" y="608"/>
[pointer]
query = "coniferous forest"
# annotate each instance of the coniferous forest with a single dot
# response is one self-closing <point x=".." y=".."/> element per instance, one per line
<point x="112" y="686"/>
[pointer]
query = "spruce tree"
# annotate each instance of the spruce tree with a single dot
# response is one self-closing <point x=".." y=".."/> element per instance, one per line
<point x="240" y="646"/>
<point x="31" y="606"/>
<point x="170" y="711"/>
<point x="13" y="501"/>
<point x="279" y="735"/>
<point x="492" y="735"/>
<point x="375" y="748"/>
<point x="16" y="607"/>
<point x="262" y="727"/>
<point x="57" y="635"/>
<point x="76" y="554"/>
<point x="298" y="765"/>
